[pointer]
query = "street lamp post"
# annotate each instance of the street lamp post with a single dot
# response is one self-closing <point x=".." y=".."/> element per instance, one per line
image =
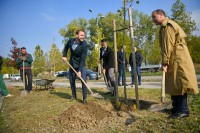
<point x="98" y="44"/>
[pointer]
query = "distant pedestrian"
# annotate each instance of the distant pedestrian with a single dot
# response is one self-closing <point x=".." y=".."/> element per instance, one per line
<point x="78" y="50"/>
<point x="3" y="88"/>
<point x="27" y="59"/>
<point x="107" y="55"/>
<point x="139" y="59"/>
<point x="121" y="62"/>
<point x="177" y="63"/>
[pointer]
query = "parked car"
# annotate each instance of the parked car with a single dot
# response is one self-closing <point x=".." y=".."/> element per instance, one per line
<point x="15" y="77"/>
<point x="6" y="76"/>
<point x="61" y="74"/>
<point x="149" y="68"/>
<point x="90" y="75"/>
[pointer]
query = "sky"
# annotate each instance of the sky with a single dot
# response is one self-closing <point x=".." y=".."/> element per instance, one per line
<point x="37" y="22"/>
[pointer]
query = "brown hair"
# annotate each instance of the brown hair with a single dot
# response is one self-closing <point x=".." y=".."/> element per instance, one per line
<point x="79" y="31"/>
<point x="158" y="11"/>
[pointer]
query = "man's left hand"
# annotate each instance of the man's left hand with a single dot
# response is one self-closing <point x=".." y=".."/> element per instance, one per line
<point x="23" y="58"/>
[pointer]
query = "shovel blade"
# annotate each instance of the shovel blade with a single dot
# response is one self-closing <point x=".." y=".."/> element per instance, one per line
<point x="24" y="93"/>
<point x="97" y="95"/>
<point x="160" y="106"/>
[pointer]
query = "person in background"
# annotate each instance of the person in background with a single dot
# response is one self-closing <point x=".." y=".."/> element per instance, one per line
<point x="3" y="88"/>
<point x="107" y="56"/>
<point x="120" y="59"/>
<point x="139" y="59"/>
<point x="78" y="49"/>
<point x="176" y="63"/>
<point x="27" y="59"/>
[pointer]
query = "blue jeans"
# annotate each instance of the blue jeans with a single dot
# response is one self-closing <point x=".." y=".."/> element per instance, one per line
<point x="72" y="79"/>
<point x="138" y="74"/>
<point x="121" y="75"/>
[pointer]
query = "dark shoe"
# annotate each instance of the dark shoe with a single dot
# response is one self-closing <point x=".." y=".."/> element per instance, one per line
<point x="108" y="93"/>
<point x="119" y="85"/>
<point x="183" y="115"/>
<point x="84" y="101"/>
<point x="131" y="83"/>
<point x="139" y="84"/>
<point x="173" y="116"/>
<point x="30" y="91"/>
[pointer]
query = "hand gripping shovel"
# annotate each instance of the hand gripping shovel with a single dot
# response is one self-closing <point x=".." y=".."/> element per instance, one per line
<point x="24" y="92"/>
<point x="163" y="105"/>
<point x="96" y="95"/>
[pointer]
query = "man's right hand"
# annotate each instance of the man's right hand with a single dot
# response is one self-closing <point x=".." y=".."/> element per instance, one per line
<point x="23" y="58"/>
<point x="64" y="58"/>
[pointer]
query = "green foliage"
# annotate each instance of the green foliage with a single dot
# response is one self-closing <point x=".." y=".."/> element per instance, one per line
<point x="69" y="30"/>
<point x="183" y="18"/>
<point x="39" y="60"/>
<point x="194" y="48"/>
<point x="6" y="68"/>
<point x="55" y="62"/>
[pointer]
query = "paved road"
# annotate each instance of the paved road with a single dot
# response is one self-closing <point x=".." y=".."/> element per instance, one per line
<point x="100" y="84"/>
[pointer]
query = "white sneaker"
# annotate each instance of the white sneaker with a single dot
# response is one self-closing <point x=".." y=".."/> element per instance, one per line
<point x="9" y="95"/>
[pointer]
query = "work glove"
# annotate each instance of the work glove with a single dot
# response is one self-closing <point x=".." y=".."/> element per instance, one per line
<point x="23" y="58"/>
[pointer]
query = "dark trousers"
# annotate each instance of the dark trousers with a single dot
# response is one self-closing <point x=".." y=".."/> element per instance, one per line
<point x="28" y="75"/>
<point x="72" y="78"/>
<point x="179" y="104"/>
<point x="138" y="74"/>
<point x="121" y="75"/>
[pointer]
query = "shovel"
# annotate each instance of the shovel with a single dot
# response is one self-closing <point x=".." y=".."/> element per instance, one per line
<point x="163" y="105"/>
<point x="24" y="92"/>
<point x="96" y="95"/>
<point x="106" y="82"/>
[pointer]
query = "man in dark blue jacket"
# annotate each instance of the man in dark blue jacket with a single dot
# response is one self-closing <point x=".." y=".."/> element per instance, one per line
<point x="78" y="49"/>
<point x="139" y="59"/>
<point x="120" y="59"/>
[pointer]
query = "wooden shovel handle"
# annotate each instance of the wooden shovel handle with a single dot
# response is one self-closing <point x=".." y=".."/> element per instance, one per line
<point x="79" y="77"/>
<point x="163" y="87"/>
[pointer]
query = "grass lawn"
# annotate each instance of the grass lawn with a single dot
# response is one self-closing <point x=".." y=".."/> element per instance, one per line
<point x="49" y="111"/>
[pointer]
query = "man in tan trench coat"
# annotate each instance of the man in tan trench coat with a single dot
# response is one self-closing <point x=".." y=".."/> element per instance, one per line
<point x="177" y="63"/>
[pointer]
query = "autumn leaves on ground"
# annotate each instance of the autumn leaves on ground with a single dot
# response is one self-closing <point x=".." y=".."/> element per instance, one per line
<point x="52" y="111"/>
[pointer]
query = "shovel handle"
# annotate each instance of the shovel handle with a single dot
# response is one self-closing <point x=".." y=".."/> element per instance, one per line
<point x="163" y="87"/>
<point x="79" y="76"/>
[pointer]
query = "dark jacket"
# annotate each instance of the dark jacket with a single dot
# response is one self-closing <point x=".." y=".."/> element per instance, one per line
<point x="27" y="62"/>
<point x="78" y="56"/>
<point x="138" y="57"/>
<point x="120" y="59"/>
<point x="1" y="62"/>
<point x="108" y="58"/>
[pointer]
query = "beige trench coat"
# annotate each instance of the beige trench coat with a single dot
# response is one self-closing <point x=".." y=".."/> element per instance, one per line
<point x="180" y="76"/>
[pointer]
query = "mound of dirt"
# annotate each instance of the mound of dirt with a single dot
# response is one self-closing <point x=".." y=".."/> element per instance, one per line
<point x="91" y="117"/>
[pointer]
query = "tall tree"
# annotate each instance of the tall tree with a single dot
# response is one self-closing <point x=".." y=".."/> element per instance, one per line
<point x="145" y="34"/>
<point x="39" y="60"/>
<point x="55" y="59"/>
<point x="15" y="51"/>
<point x="194" y="48"/>
<point x="183" y="18"/>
